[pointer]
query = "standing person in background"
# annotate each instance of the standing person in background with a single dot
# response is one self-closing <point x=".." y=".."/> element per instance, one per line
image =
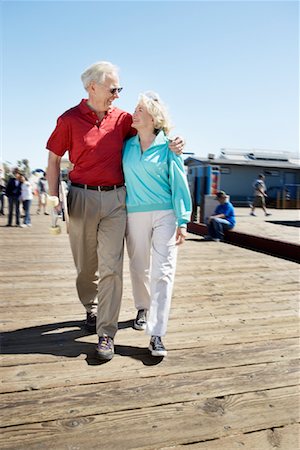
<point x="13" y="193"/>
<point x="93" y="133"/>
<point x="26" y="197"/>
<point x="42" y="189"/>
<point x="260" y="195"/>
<point x="158" y="208"/>
<point x="223" y="218"/>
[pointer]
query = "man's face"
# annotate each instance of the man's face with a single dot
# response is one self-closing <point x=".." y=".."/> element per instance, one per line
<point x="103" y="94"/>
<point x="222" y="200"/>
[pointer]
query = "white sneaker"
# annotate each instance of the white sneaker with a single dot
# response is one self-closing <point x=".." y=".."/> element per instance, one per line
<point x="23" y="225"/>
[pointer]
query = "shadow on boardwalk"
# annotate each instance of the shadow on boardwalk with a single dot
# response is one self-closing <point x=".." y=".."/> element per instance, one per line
<point x="63" y="339"/>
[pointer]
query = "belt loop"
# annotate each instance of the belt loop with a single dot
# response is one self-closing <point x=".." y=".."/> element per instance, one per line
<point x="99" y="188"/>
<point x="85" y="186"/>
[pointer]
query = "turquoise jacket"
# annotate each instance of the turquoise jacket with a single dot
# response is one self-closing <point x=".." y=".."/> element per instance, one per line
<point x="155" y="179"/>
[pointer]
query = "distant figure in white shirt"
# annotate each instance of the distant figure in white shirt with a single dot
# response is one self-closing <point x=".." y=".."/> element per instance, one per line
<point x="26" y="198"/>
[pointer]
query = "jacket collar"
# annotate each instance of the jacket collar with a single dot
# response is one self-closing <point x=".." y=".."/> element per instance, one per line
<point x="160" y="139"/>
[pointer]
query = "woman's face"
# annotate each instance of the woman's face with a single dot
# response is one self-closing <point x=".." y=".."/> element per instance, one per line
<point x="141" y="119"/>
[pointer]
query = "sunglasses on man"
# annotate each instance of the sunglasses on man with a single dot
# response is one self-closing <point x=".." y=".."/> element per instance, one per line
<point x="114" y="91"/>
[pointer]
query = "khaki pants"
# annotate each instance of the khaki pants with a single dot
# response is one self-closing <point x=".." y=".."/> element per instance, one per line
<point x="97" y="227"/>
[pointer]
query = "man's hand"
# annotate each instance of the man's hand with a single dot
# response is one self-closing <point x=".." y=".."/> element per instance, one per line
<point x="176" y="145"/>
<point x="54" y="203"/>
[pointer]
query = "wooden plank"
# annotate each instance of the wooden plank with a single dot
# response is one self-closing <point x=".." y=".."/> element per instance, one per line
<point x="112" y="396"/>
<point x="137" y="362"/>
<point x="235" y="354"/>
<point x="232" y="344"/>
<point x="284" y="438"/>
<point x="154" y="427"/>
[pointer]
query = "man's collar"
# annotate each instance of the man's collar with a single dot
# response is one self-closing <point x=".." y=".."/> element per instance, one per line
<point x="85" y="109"/>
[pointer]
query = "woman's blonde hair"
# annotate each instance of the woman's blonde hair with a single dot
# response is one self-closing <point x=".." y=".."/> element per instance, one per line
<point x="157" y="110"/>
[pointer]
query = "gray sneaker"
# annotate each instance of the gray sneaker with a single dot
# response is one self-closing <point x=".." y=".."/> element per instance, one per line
<point x="105" y="348"/>
<point x="156" y="346"/>
<point x="140" y="321"/>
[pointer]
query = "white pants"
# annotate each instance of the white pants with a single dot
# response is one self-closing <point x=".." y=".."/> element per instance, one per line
<point x="150" y="239"/>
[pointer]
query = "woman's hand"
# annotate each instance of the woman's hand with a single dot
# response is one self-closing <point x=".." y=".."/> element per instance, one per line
<point x="181" y="234"/>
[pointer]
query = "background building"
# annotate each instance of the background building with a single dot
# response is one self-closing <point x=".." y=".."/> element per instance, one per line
<point x="235" y="170"/>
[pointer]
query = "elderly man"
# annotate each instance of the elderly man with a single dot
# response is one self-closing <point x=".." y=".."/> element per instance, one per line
<point x="93" y="132"/>
<point x="222" y="219"/>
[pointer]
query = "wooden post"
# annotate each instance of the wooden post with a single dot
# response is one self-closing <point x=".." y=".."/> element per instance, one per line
<point x="278" y="200"/>
<point x="283" y="200"/>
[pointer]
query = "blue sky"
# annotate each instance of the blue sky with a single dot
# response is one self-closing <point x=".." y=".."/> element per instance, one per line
<point x="228" y="71"/>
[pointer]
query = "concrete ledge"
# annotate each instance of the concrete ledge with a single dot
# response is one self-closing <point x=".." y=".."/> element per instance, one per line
<point x="285" y="250"/>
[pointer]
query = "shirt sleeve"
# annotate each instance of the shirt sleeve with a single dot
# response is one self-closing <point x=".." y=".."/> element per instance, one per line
<point x="181" y="197"/>
<point x="128" y="130"/>
<point x="60" y="140"/>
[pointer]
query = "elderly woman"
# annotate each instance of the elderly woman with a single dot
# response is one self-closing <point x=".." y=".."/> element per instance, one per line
<point x="158" y="208"/>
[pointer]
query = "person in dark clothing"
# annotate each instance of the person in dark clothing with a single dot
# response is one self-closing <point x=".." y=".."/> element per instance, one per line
<point x="2" y="195"/>
<point x="13" y="193"/>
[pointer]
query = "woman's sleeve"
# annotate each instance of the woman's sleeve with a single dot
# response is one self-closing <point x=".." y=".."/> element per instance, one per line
<point x="181" y="196"/>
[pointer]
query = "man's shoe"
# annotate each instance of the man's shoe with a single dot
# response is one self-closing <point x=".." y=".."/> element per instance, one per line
<point x="268" y="214"/>
<point x="90" y="323"/>
<point x="105" y="348"/>
<point x="140" y="321"/>
<point x="156" y="346"/>
<point x="252" y="214"/>
<point x="207" y="237"/>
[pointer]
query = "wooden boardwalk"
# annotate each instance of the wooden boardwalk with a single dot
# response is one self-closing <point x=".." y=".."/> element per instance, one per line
<point x="230" y="380"/>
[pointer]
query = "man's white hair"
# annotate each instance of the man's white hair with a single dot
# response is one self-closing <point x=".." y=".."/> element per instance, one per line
<point x="98" y="72"/>
<point x="157" y="110"/>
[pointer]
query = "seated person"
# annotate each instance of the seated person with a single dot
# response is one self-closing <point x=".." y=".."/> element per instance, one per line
<point x="223" y="218"/>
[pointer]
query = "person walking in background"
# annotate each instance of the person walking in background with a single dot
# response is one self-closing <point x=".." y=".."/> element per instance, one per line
<point x="158" y="206"/>
<point x="26" y="197"/>
<point x="13" y="193"/>
<point x="260" y="195"/>
<point x="94" y="132"/>
<point x="223" y="218"/>
<point x="42" y="189"/>
<point x="2" y="196"/>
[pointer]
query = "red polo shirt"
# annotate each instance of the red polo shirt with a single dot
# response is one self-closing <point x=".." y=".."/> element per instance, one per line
<point x="95" y="148"/>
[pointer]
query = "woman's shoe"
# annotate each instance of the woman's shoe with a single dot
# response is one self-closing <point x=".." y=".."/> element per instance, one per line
<point x="156" y="346"/>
